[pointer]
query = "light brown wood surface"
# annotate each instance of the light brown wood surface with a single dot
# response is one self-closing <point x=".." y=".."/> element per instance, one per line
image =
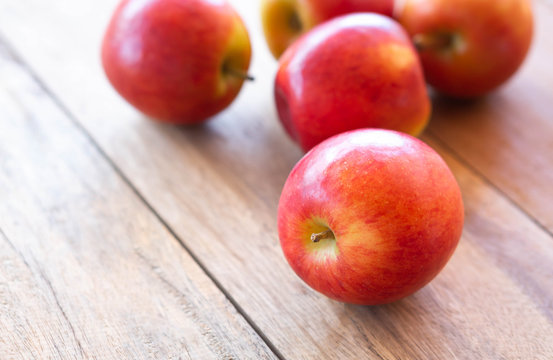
<point x="87" y="271"/>
<point x="124" y="238"/>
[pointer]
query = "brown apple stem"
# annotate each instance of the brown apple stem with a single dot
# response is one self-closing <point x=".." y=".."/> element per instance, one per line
<point x="327" y="234"/>
<point x="239" y="74"/>
<point x="435" y="41"/>
<point x="294" y="22"/>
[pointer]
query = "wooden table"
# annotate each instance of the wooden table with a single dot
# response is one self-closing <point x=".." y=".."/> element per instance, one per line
<point x="121" y="238"/>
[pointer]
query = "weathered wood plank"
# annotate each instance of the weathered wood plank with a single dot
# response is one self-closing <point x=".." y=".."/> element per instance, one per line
<point x="86" y="270"/>
<point x="508" y="136"/>
<point x="218" y="186"/>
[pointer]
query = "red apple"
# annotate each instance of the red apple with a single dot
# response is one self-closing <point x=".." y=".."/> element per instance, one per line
<point x="179" y="61"/>
<point x="369" y="216"/>
<point x="285" y="20"/>
<point x="354" y="71"/>
<point x="468" y="47"/>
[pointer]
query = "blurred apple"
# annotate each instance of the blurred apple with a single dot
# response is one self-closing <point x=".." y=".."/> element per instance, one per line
<point x="468" y="47"/>
<point x="354" y="71"/>
<point x="179" y="61"/>
<point x="370" y="216"/>
<point x="285" y="20"/>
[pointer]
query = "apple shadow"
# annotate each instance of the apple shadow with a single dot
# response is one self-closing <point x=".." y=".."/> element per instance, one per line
<point x="399" y="328"/>
<point x="478" y="131"/>
<point x="438" y="98"/>
<point x="449" y="111"/>
<point x="464" y="123"/>
<point x="250" y="150"/>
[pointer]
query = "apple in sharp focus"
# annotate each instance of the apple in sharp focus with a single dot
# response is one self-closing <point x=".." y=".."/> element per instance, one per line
<point x="369" y="216"/>
<point x="179" y="61"/>
<point x="285" y="20"/>
<point x="468" y="47"/>
<point x="354" y="71"/>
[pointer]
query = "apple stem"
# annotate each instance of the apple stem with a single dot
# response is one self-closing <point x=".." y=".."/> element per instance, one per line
<point x="294" y="22"/>
<point x="436" y="41"/>
<point x="327" y="234"/>
<point x="240" y="74"/>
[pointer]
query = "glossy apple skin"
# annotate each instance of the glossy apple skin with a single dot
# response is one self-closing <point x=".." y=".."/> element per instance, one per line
<point x="167" y="57"/>
<point x="393" y="205"/>
<point x="354" y="71"/>
<point x="276" y="16"/>
<point x="491" y="40"/>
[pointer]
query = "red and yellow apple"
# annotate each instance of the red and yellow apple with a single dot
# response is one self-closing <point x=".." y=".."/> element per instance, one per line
<point x="285" y="20"/>
<point x="354" y="71"/>
<point x="179" y="61"/>
<point x="468" y="47"/>
<point x="369" y="216"/>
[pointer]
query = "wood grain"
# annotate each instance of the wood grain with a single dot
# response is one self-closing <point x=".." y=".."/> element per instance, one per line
<point x="217" y="186"/>
<point x="86" y="270"/>
<point x="507" y="136"/>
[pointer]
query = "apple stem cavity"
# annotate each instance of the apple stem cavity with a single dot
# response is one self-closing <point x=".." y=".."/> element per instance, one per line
<point x="237" y="73"/>
<point x="327" y="234"/>
<point x="435" y="41"/>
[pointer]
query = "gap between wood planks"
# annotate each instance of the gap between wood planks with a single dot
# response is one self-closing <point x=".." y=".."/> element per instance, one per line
<point x="17" y="58"/>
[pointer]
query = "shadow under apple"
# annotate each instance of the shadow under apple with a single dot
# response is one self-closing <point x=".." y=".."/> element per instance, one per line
<point x="449" y="111"/>
<point x="398" y="328"/>
<point x="251" y="151"/>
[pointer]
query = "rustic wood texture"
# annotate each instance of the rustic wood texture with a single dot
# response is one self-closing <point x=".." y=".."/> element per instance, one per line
<point x="86" y="270"/>
<point x="217" y="187"/>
